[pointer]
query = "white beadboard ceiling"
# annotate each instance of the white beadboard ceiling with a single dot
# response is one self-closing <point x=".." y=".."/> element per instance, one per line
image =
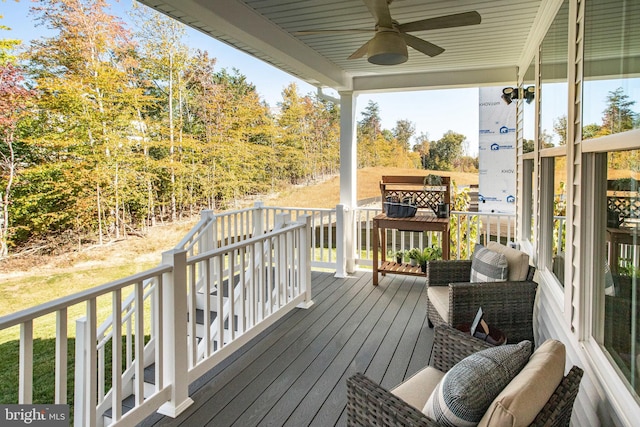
<point x="484" y="54"/>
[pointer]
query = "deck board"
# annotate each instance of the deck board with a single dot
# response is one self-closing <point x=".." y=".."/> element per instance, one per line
<point x="295" y="373"/>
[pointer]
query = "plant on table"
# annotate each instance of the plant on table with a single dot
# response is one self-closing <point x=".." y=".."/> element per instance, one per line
<point x="414" y="255"/>
<point x="428" y="254"/>
<point x="400" y="256"/>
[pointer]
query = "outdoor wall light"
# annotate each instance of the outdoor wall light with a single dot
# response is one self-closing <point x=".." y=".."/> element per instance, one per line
<point x="511" y="93"/>
<point x="529" y="94"/>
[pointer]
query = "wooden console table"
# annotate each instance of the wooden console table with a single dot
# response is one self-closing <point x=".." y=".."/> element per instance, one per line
<point x="419" y="222"/>
<point x="424" y="193"/>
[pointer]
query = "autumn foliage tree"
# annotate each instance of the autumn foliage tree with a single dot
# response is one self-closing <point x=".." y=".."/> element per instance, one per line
<point x="14" y="104"/>
<point x="125" y="126"/>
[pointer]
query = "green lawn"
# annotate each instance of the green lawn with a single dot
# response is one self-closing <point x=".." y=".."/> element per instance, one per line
<point x="21" y="293"/>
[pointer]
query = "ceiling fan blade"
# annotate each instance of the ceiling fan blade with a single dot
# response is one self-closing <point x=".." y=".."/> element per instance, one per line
<point x="362" y="51"/>
<point x="348" y="31"/>
<point x="380" y="10"/>
<point x="422" y="45"/>
<point x="448" y="21"/>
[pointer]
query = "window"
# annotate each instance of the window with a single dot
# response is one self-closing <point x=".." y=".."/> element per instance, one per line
<point x="611" y="68"/>
<point x="611" y="141"/>
<point x="552" y="141"/>
<point x="553" y="211"/>
<point x="620" y="277"/>
<point x="553" y="82"/>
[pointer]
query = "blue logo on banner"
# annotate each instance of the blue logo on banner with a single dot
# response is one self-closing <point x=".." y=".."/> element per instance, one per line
<point x="511" y="199"/>
<point x="504" y="129"/>
<point x="481" y="198"/>
<point x="495" y="146"/>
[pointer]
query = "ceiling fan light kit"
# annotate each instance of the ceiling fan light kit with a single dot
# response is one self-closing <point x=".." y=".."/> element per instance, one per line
<point x="387" y="48"/>
<point x="389" y="43"/>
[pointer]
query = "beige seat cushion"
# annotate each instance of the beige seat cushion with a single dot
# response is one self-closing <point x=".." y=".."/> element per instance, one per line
<point x="439" y="297"/>
<point x="417" y="389"/>
<point x="521" y="400"/>
<point x="518" y="261"/>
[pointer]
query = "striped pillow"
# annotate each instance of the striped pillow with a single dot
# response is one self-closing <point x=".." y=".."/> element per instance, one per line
<point x="488" y="266"/>
<point x="467" y="390"/>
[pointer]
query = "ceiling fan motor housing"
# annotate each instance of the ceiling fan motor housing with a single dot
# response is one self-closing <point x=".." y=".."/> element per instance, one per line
<point x="387" y="48"/>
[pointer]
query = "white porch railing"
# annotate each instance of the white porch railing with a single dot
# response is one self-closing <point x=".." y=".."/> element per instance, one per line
<point x="224" y="283"/>
<point x="250" y="284"/>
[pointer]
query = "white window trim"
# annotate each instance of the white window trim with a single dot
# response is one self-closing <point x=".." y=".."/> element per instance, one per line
<point x="624" y="405"/>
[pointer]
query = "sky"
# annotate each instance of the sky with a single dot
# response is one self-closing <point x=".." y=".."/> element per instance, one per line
<point x="432" y="112"/>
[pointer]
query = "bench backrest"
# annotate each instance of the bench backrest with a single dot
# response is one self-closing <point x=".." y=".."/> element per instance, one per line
<point x="417" y="189"/>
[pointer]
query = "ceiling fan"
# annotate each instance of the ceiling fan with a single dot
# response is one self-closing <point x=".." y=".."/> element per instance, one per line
<point x="389" y="44"/>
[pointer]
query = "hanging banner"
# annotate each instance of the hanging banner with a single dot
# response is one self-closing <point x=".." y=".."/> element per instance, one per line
<point x="496" y="153"/>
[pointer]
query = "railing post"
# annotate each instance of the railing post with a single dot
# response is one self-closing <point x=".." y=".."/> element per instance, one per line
<point x="174" y="290"/>
<point x="206" y="242"/>
<point x="258" y="219"/>
<point x="305" y="260"/>
<point x="345" y="241"/>
<point x="341" y="261"/>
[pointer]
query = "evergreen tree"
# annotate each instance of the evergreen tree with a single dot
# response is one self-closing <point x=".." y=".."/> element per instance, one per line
<point x="618" y="116"/>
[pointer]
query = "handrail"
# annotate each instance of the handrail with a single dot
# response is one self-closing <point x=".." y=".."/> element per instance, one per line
<point x="82" y="296"/>
<point x="235" y="246"/>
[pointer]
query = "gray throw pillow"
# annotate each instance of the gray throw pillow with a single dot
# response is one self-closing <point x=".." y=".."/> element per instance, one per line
<point x="488" y="266"/>
<point x="466" y="391"/>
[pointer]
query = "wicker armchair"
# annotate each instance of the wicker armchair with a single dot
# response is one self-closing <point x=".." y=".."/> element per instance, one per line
<point x="506" y="305"/>
<point x="368" y="404"/>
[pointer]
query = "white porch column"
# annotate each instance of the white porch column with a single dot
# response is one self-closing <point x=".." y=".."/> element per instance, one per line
<point x="348" y="182"/>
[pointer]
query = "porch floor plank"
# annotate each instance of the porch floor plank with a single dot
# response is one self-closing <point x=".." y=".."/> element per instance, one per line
<point x="295" y="373"/>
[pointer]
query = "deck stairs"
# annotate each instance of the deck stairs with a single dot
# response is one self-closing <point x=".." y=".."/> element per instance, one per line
<point x="200" y="310"/>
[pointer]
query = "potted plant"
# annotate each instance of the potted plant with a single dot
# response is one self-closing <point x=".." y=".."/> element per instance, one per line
<point x="414" y="254"/>
<point x="400" y="255"/>
<point x="428" y="254"/>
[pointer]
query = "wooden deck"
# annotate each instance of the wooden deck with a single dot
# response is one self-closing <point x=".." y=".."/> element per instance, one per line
<point x="295" y="373"/>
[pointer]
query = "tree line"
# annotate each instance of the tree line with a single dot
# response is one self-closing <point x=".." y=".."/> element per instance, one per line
<point x="107" y="128"/>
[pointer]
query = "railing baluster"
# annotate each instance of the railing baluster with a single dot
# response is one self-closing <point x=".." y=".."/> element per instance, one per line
<point x="232" y="295"/>
<point x="129" y="344"/>
<point x="159" y="334"/>
<point x="101" y="370"/>
<point x="61" y="356"/>
<point x="243" y="312"/>
<point x="25" y="387"/>
<point x="206" y="295"/>
<point x="139" y="343"/>
<point x="192" y="306"/>
<point x="91" y="363"/>
<point x="220" y="314"/>
<point x="116" y="356"/>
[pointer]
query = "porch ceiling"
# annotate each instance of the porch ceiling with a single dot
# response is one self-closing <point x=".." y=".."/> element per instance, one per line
<point x="477" y="55"/>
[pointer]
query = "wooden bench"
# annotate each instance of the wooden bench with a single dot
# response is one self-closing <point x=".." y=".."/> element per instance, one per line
<point x="426" y="198"/>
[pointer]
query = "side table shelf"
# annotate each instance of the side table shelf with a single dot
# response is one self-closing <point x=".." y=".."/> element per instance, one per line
<point x="419" y="223"/>
<point x="394" y="267"/>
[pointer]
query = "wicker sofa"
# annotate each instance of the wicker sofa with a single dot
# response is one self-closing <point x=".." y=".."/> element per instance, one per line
<point x="368" y="404"/>
<point x="508" y="306"/>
